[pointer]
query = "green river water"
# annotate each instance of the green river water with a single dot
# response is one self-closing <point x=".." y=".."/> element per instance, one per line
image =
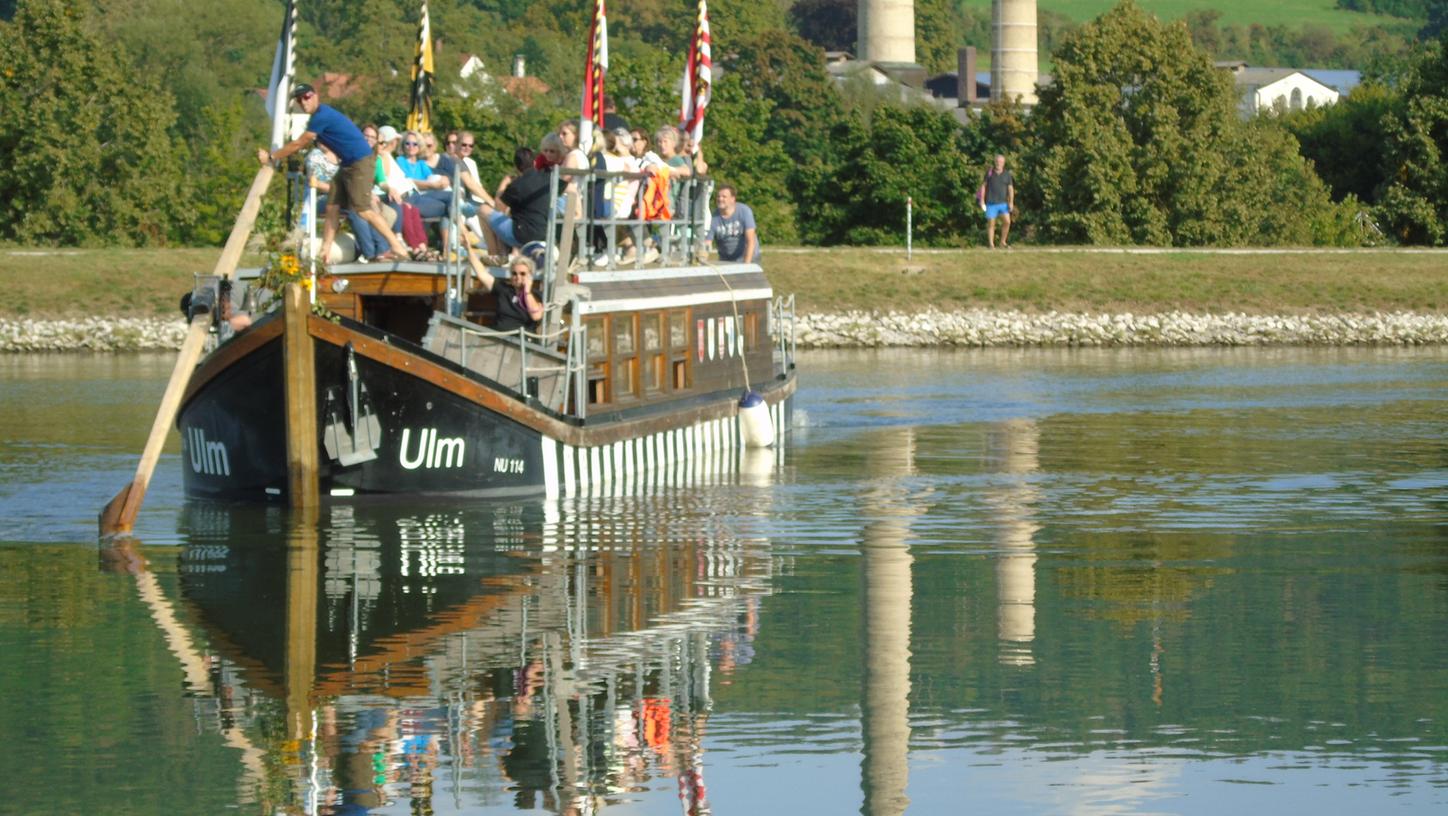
<point x="1190" y="581"/>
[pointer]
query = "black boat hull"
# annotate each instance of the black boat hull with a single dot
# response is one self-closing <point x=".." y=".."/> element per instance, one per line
<point x="430" y="439"/>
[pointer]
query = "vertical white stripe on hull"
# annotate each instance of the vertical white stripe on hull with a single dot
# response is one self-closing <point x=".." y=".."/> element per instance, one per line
<point x="616" y="461"/>
<point x="569" y="480"/>
<point x="595" y="470"/>
<point x="550" y="467"/>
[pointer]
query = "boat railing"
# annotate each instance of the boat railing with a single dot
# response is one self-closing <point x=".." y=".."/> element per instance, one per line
<point x="542" y="373"/>
<point x="454" y="267"/>
<point x="596" y="237"/>
<point x="782" y="323"/>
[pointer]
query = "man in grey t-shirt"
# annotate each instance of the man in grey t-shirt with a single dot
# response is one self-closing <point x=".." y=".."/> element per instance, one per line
<point x="1000" y="201"/>
<point x="732" y="229"/>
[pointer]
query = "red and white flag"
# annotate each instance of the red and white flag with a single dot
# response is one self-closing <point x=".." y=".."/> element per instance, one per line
<point x="698" y="79"/>
<point x="594" y="73"/>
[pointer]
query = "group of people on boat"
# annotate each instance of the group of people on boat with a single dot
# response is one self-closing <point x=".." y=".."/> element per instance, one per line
<point x="391" y="184"/>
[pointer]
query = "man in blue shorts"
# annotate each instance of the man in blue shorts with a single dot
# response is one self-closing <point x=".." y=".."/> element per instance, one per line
<point x="352" y="186"/>
<point x="1000" y="201"/>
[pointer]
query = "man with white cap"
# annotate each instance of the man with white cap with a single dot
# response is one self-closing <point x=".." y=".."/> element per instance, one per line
<point x="352" y="186"/>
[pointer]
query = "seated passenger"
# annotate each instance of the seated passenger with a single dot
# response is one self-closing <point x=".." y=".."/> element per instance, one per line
<point x="528" y="203"/>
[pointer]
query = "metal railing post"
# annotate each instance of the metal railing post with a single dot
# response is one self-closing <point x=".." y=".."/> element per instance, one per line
<point x="523" y="363"/>
<point x="909" y="226"/>
<point x="580" y="378"/>
<point x="310" y="203"/>
<point x="550" y="245"/>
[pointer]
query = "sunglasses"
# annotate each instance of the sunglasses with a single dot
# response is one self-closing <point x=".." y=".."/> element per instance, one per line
<point x="466" y="145"/>
<point x="410" y="144"/>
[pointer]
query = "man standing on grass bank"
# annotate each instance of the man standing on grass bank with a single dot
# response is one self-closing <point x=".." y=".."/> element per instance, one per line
<point x="352" y="186"/>
<point x="732" y="229"/>
<point x="1000" y="201"/>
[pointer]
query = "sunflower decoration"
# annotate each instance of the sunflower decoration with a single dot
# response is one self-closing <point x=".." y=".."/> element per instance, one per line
<point x="283" y="268"/>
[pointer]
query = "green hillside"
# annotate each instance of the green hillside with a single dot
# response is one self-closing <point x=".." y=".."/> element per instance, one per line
<point x="1291" y="13"/>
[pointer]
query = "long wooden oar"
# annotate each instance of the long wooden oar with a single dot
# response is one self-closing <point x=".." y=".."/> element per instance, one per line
<point x="119" y="515"/>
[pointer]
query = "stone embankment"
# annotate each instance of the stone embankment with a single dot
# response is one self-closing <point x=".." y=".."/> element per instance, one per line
<point x="930" y="328"/>
<point x="980" y="327"/>
<point x="92" y="334"/>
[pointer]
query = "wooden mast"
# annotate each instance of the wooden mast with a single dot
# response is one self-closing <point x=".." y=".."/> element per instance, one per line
<point x="301" y="398"/>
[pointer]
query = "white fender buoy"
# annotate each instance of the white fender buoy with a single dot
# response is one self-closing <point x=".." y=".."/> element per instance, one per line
<point x="755" y="426"/>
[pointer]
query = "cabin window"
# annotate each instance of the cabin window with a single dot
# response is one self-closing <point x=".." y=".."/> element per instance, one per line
<point x="597" y="331"/>
<point x="751" y="331"/>
<point x="653" y="327"/>
<point x="679" y="330"/>
<point x="625" y="356"/>
<point x="677" y="356"/>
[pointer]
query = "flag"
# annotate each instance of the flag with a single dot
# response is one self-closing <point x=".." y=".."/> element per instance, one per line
<point x="594" y="73"/>
<point x="284" y="71"/>
<point x="419" y="117"/>
<point x="698" y="79"/>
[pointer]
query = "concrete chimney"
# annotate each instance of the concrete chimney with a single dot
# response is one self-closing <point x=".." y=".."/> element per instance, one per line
<point x="887" y="31"/>
<point x="965" y="76"/>
<point x="1013" y="63"/>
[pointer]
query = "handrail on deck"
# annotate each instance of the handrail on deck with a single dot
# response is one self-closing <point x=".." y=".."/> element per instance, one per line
<point x="540" y="341"/>
<point x="782" y="322"/>
<point x="679" y="237"/>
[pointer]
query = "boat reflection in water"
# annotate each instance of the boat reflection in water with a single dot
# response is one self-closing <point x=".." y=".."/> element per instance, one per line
<point x="559" y="654"/>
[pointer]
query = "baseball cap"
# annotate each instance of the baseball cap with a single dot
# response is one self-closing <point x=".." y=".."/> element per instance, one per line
<point x="386" y="133"/>
<point x="302" y="90"/>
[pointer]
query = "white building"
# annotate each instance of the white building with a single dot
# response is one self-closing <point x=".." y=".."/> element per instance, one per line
<point x="1286" y="89"/>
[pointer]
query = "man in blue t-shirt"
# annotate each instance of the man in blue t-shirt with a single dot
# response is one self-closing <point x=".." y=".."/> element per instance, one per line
<point x="352" y="186"/>
<point x="732" y="229"/>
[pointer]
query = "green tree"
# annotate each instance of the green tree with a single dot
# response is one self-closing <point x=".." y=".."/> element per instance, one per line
<point x="88" y="156"/>
<point x="1346" y="141"/>
<point x="829" y="24"/>
<point x="938" y="33"/>
<point x="769" y="119"/>
<point x="1138" y="141"/>
<point x="1414" y="205"/>
<point x="917" y="153"/>
<point x="226" y="49"/>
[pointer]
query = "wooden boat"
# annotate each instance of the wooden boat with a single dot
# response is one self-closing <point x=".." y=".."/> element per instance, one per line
<point x="636" y="368"/>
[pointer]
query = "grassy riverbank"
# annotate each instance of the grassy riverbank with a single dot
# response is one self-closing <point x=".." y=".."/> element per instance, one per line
<point x="147" y="283"/>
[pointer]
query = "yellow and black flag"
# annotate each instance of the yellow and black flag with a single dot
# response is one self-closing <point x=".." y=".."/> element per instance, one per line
<point x="419" y="117"/>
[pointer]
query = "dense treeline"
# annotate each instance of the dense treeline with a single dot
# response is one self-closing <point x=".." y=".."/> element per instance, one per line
<point x="135" y="121"/>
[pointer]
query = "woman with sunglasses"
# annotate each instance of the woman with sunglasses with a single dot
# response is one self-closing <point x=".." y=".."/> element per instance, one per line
<point x="518" y="307"/>
<point x="425" y="186"/>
